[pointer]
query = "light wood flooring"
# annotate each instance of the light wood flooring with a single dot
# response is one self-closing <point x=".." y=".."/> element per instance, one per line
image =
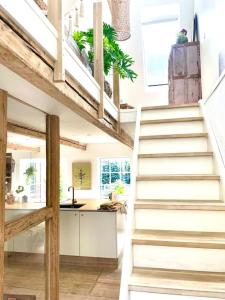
<point x="76" y="282"/>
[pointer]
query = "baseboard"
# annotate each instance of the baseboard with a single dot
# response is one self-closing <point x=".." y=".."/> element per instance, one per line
<point x="21" y="257"/>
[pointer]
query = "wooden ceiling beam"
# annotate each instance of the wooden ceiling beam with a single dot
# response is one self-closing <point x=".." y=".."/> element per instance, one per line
<point x="16" y="55"/>
<point x="23" y="130"/>
<point x="20" y="147"/>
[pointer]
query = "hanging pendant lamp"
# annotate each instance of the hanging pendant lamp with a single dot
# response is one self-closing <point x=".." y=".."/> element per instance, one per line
<point x="121" y="18"/>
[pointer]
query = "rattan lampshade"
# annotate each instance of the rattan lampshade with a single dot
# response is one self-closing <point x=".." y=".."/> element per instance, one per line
<point x="121" y="18"/>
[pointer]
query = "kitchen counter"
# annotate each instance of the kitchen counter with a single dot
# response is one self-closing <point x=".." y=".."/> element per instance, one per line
<point x="80" y="230"/>
<point x="90" y="205"/>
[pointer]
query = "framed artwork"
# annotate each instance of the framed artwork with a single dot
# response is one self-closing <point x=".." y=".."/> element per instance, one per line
<point x="81" y="175"/>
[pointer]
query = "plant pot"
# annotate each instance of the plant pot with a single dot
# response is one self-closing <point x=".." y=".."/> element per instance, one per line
<point x="107" y="89"/>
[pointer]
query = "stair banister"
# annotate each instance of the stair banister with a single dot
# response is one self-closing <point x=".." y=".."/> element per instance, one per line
<point x="127" y="263"/>
<point x="56" y="17"/>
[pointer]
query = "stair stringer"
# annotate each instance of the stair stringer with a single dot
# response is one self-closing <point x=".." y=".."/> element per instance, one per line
<point x="127" y="261"/>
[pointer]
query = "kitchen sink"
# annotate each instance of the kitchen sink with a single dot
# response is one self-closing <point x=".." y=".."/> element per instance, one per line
<point x="75" y="205"/>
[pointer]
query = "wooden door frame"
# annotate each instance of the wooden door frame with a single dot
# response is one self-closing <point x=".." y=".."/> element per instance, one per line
<point x="48" y="214"/>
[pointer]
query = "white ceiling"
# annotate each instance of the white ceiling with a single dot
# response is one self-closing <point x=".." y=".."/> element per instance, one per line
<point x="71" y="125"/>
<point x="13" y="138"/>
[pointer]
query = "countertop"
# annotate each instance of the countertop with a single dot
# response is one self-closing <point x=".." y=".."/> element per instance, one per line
<point x="90" y="205"/>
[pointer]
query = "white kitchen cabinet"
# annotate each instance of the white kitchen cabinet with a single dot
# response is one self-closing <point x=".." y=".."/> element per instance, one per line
<point x="87" y="233"/>
<point x="69" y="233"/>
<point x="98" y="234"/>
<point x="30" y="241"/>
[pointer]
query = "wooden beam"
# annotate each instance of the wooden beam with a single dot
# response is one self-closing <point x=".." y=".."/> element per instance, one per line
<point x="14" y="55"/>
<point x="3" y="142"/>
<point x="56" y="17"/>
<point x="110" y="5"/>
<point x="52" y="225"/>
<point x="19" y="129"/>
<point x="98" y="53"/>
<point x="26" y="222"/>
<point x="19" y="147"/>
<point x="116" y="95"/>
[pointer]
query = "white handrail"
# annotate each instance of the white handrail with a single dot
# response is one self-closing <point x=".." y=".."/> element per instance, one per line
<point x="127" y="263"/>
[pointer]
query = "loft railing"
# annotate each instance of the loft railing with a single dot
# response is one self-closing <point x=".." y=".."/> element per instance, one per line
<point x="56" y="17"/>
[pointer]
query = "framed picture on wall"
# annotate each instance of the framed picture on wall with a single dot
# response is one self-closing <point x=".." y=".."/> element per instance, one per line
<point x="81" y="175"/>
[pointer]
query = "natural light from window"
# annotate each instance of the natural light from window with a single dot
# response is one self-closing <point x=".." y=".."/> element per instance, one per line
<point x="114" y="173"/>
<point x="160" y="25"/>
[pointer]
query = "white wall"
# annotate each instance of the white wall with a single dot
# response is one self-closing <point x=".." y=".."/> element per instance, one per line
<point x="211" y="24"/>
<point x="70" y="155"/>
<point x="137" y="92"/>
<point x="92" y="154"/>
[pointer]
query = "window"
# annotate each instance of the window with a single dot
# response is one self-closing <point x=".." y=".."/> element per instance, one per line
<point x="159" y="28"/>
<point x="113" y="171"/>
<point x="35" y="186"/>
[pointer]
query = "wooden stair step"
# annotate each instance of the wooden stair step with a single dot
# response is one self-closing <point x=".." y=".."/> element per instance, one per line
<point x="205" y="284"/>
<point x="179" y="205"/>
<point x="172" y="120"/>
<point x="178" y="154"/>
<point x="179" y="239"/>
<point x="170" y="106"/>
<point x="177" y="177"/>
<point x="173" y="136"/>
<point x="186" y="201"/>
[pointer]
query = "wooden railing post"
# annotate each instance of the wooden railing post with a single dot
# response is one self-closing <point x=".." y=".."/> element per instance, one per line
<point x="3" y="143"/>
<point x="56" y="17"/>
<point x="116" y="95"/>
<point x="52" y="201"/>
<point x="98" y="53"/>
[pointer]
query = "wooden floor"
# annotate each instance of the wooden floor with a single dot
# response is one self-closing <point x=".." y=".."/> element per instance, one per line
<point x="76" y="282"/>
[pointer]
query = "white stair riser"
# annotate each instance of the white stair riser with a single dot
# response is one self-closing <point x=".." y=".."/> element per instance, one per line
<point x="172" y="128"/>
<point x="172" y="113"/>
<point x="176" y="165"/>
<point x="180" y="220"/>
<point x="179" y="189"/>
<point x="173" y="145"/>
<point x="194" y="259"/>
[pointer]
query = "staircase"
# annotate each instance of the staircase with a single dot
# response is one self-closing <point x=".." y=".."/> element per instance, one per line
<point x="178" y="243"/>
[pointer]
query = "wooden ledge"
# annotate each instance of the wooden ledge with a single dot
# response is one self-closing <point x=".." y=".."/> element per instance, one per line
<point x="173" y="120"/>
<point x="187" y="201"/>
<point x="169" y="106"/>
<point x="179" y="205"/>
<point x="173" y="136"/>
<point x="177" y="177"/>
<point x="178" y="239"/>
<point x="192" y="283"/>
<point x="174" y="155"/>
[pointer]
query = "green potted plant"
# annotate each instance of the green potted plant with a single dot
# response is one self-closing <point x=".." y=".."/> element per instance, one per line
<point x="30" y="173"/>
<point x="114" y="57"/>
<point x="117" y="189"/>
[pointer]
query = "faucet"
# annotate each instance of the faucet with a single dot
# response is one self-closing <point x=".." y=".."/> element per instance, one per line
<point x="73" y="199"/>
